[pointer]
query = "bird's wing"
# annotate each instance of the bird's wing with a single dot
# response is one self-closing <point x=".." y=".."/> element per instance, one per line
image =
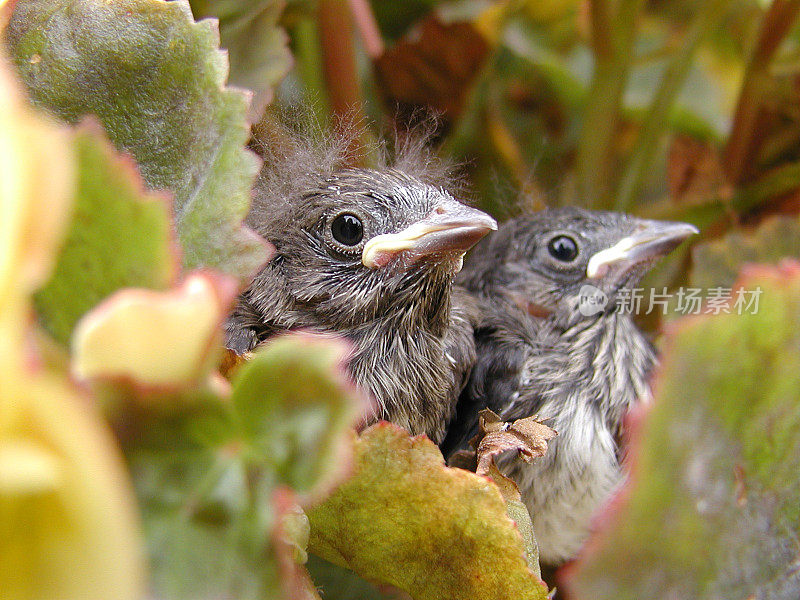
<point x="503" y="342"/>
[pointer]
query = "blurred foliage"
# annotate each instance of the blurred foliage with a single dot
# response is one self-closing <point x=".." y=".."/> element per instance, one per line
<point x="67" y="523"/>
<point x="120" y="236"/>
<point x="713" y="510"/>
<point x="212" y="475"/>
<point x="718" y="262"/>
<point x="154" y="340"/>
<point x="675" y="109"/>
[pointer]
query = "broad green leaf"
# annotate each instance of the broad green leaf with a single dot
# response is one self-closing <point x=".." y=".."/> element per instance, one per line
<point x="257" y="45"/>
<point x="405" y="519"/>
<point x="713" y="505"/>
<point x="120" y="236"/>
<point x="716" y="263"/>
<point x="155" y="79"/>
<point x="294" y="407"/>
<point x="218" y="479"/>
<point x="342" y="584"/>
<point x="155" y="340"/>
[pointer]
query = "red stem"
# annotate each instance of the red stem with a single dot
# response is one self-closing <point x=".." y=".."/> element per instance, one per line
<point x="367" y="27"/>
<point x="744" y="141"/>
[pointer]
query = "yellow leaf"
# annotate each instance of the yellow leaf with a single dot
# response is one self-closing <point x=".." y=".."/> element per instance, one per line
<point x="26" y="468"/>
<point x="156" y="340"/>
<point x="68" y="527"/>
<point x="35" y="190"/>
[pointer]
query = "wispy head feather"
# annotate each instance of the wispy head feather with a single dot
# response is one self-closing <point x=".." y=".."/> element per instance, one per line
<point x="300" y="155"/>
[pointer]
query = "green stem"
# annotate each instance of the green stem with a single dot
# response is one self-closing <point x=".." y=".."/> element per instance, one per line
<point x="776" y="183"/>
<point x="307" y="51"/>
<point x="595" y="153"/>
<point x="657" y="119"/>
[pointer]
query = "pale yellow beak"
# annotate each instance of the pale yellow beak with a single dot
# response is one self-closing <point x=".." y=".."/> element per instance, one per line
<point x="450" y="230"/>
<point x="651" y="240"/>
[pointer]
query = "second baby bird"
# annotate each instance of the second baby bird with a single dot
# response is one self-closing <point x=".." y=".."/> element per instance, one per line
<point x="556" y="340"/>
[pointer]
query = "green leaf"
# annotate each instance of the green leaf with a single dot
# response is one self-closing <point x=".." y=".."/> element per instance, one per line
<point x="713" y="507"/>
<point x="257" y="46"/>
<point x="218" y="478"/>
<point x="120" y="236"/>
<point x="155" y="79"/>
<point x="342" y="584"/>
<point x="405" y="519"/>
<point x="294" y="406"/>
<point x="716" y="263"/>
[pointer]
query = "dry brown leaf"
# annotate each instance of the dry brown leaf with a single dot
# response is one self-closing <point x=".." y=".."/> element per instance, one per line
<point x="694" y="172"/>
<point x="432" y="70"/>
<point x="528" y="437"/>
<point x="230" y="362"/>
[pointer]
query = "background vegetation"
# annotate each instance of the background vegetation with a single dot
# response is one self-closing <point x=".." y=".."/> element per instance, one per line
<point x="138" y="460"/>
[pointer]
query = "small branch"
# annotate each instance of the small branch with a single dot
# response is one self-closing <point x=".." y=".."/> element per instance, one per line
<point x="602" y="23"/>
<point x="743" y="141"/>
<point x="778" y="182"/>
<point x="340" y="68"/>
<point x="596" y="153"/>
<point x="657" y="119"/>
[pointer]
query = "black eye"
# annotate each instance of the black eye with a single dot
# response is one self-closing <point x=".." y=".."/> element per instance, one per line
<point x="347" y="229"/>
<point x="563" y="248"/>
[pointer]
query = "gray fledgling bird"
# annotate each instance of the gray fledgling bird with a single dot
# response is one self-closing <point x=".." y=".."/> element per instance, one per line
<point x="552" y="342"/>
<point x="368" y="255"/>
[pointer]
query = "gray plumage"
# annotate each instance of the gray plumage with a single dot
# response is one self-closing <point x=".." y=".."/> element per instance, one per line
<point x="389" y="293"/>
<point x="539" y="353"/>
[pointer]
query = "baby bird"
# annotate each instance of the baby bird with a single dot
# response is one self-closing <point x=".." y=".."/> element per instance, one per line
<point x="368" y="255"/>
<point x="553" y="342"/>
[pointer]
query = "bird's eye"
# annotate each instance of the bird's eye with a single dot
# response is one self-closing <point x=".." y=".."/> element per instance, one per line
<point x="563" y="248"/>
<point x="347" y="229"/>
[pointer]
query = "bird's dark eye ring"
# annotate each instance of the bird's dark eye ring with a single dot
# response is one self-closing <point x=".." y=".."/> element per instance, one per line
<point x="563" y="248"/>
<point x="347" y="229"/>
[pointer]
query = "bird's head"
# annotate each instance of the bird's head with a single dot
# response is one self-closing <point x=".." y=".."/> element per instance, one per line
<point x="361" y="244"/>
<point x="544" y="260"/>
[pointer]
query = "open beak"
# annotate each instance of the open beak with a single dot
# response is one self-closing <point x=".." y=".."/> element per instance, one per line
<point x="450" y="230"/>
<point x="649" y="241"/>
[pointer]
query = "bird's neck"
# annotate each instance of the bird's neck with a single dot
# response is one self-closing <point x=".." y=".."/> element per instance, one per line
<point x="616" y="359"/>
<point x="402" y="365"/>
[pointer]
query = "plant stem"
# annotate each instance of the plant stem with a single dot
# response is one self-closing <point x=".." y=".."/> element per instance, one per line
<point x="307" y="51"/>
<point x="614" y="36"/>
<point x="743" y="141"/>
<point x="776" y="183"/>
<point x="340" y="68"/>
<point x="367" y="28"/>
<point x="657" y="118"/>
